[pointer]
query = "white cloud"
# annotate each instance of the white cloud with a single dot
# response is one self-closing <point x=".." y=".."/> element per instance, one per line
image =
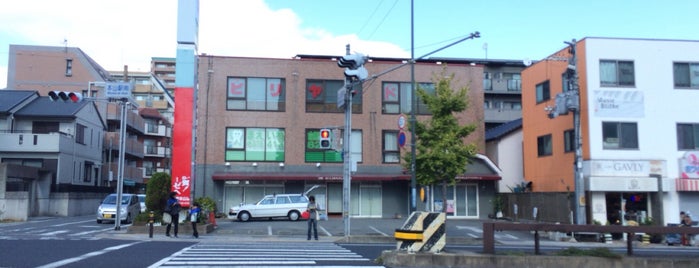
<point x="130" y="32"/>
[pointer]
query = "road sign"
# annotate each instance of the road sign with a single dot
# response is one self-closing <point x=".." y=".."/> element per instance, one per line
<point x="118" y="90"/>
<point x="401" y="139"/>
<point x="401" y="122"/>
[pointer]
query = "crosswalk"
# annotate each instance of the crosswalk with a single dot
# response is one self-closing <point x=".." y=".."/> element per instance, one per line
<point x="52" y="233"/>
<point x="281" y="254"/>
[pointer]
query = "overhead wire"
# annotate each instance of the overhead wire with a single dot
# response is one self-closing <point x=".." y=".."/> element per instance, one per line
<point x="383" y="19"/>
<point x="370" y="16"/>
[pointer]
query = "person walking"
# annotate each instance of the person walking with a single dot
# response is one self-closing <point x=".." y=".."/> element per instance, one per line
<point x="194" y="218"/>
<point x="312" y="209"/>
<point x="173" y="208"/>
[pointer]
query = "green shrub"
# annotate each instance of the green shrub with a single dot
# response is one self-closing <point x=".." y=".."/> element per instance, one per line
<point x="157" y="192"/>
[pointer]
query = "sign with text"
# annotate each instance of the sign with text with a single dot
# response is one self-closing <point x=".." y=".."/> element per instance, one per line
<point x="118" y="90"/>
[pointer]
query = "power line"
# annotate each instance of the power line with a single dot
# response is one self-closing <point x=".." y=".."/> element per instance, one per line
<point x="383" y="19"/>
<point x="370" y="16"/>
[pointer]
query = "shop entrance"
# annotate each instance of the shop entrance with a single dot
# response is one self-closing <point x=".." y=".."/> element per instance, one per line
<point x="627" y="208"/>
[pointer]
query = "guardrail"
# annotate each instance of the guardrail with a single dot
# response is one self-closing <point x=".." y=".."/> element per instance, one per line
<point x="489" y="229"/>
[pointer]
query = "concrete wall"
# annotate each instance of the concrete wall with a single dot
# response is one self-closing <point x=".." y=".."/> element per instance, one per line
<point x="15" y="206"/>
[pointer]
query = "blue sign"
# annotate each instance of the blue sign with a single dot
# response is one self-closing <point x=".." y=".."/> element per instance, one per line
<point x="118" y="90"/>
<point x="401" y="138"/>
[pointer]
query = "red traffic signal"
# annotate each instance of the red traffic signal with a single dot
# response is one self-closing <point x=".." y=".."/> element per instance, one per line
<point x="325" y="139"/>
<point x="65" y="96"/>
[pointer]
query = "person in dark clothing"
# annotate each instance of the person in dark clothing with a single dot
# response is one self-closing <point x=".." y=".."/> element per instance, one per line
<point x="194" y="218"/>
<point x="173" y="208"/>
<point x="312" y="209"/>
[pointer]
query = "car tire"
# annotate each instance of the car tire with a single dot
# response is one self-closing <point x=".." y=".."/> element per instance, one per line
<point x="244" y="216"/>
<point x="99" y="221"/>
<point x="294" y="215"/>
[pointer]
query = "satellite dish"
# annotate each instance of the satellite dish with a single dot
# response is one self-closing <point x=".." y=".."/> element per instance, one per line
<point x="527" y="62"/>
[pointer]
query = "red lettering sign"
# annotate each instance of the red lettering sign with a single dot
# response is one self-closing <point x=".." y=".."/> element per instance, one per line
<point x="315" y="90"/>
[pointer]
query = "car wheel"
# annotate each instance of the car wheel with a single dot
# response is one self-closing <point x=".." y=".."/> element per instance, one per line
<point x="294" y="215"/>
<point x="244" y="216"/>
<point x="99" y="221"/>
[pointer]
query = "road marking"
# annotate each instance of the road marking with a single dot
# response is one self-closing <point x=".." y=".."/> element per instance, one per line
<point x="472" y="229"/>
<point x="378" y="231"/>
<point x="69" y="223"/>
<point x="325" y="231"/>
<point x="87" y="255"/>
<point x="269" y="230"/>
<point x="54" y="233"/>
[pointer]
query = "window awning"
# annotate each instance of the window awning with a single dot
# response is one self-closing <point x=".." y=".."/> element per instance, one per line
<point x="687" y="185"/>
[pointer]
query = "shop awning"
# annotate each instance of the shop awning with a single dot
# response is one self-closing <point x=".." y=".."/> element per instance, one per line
<point x="687" y="185"/>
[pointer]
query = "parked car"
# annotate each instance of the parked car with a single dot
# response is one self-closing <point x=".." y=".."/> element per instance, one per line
<point x="130" y="207"/>
<point x="142" y="200"/>
<point x="272" y="206"/>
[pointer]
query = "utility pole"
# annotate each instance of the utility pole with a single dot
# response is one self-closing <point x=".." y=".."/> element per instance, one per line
<point x="570" y="101"/>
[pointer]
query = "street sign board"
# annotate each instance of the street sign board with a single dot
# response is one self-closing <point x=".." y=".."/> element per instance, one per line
<point x="118" y="90"/>
<point x="401" y="122"/>
<point x="401" y="139"/>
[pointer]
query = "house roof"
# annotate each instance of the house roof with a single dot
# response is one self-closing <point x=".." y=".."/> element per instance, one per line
<point x="502" y="130"/>
<point x="44" y="107"/>
<point x="9" y="99"/>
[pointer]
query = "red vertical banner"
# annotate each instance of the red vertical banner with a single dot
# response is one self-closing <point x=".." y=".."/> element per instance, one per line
<point x="182" y="145"/>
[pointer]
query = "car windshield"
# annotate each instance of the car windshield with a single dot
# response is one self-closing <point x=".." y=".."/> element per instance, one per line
<point x="111" y="199"/>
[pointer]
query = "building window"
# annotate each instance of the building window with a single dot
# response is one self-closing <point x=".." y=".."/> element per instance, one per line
<point x="314" y="153"/>
<point x="391" y="152"/>
<point x="254" y="144"/>
<point x="618" y="135"/>
<point x="42" y="127"/>
<point x="512" y="105"/>
<point x="321" y="96"/>
<point x="569" y="141"/>
<point x="69" y="67"/>
<point x="514" y="81"/>
<point x="80" y="133"/>
<point x="686" y="75"/>
<point x="614" y="73"/>
<point x="87" y="171"/>
<point x="487" y="81"/>
<point x="255" y="94"/>
<point x="544" y="145"/>
<point x="396" y="98"/>
<point x="688" y="136"/>
<point x="543" y="92"/>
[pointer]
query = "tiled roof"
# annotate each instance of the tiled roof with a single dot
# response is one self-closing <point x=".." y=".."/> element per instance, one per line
<point x="44" y="107"/>
<point x="502" y="130"/>
<point x="9" y="99"/>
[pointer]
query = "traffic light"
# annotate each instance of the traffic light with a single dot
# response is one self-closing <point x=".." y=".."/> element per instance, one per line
<point x="354" y="66"/>
<point x="325" y="142"/>
<point x="65" y="96"/>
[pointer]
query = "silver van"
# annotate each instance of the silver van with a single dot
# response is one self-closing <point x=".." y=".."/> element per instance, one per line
<point x="130" y="207"/>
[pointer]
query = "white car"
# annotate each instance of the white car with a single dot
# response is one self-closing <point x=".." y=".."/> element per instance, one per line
<point x="272" y="206"/>
<point x="130" y="208"/>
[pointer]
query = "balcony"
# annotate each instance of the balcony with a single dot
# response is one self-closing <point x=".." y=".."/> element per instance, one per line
<point x="156" y="151"/>
<point x="30" y="142"/>
<point x="130" y="173"/>
<point x="132" y="146"/>
<point x="505" y="86"/>
<point x="501" y="115"/>
<point x="158" y="130"/>
<point x="149" y="171"/>
<point x="133" y="120"/>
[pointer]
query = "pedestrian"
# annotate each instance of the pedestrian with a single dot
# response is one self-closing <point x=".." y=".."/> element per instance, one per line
<point x="686" y="221"/>
<point x="312" y="209"/>
<point x="194" y="218"/>
<point x="173" y="208"/>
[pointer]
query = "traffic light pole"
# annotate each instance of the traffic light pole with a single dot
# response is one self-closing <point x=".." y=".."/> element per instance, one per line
<point x="347" y="155"/>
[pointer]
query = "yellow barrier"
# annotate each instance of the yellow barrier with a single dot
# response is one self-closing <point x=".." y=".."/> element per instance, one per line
<point x="422" y="232"/>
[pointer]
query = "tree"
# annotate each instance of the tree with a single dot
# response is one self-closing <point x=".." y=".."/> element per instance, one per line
<point x="442" y="153"/>
<point x="158" y="191"/>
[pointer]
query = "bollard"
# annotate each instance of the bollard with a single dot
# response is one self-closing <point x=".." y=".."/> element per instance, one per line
<point x="150" y="224"/>
<point x="646" y="239"/>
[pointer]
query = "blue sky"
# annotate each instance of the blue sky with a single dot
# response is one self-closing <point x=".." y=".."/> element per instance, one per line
<point x="118" y="33"/>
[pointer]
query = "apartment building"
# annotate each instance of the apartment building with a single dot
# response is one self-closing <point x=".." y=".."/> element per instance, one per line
<point x="258" y="130"/>
<point x="636" y="97"/>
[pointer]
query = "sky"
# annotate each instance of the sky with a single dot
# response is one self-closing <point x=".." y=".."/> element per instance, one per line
<point x="131" y="32"/>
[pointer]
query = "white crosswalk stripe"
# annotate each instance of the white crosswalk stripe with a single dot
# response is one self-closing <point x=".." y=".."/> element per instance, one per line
<point x="287" y="254"/>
